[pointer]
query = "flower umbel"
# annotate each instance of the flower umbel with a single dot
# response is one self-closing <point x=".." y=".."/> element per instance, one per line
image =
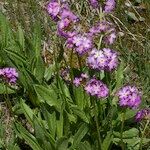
<point x="109" y="6"/>
<point x="105" y="59"/>
<point x="96" y="88"/>
<point x="129" y="96"/>
<point x="10" y="75"/>
<point x="142" y="114"/>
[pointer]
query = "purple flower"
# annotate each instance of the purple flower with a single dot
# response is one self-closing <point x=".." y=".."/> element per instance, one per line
<point x="110" y="38"/>
<point x="129" y="97"/>
<point x="102" y="26"/>
<point x="67" y="13"/>
<point x="81" y="79"/>
<point x="77" y="81"/>
<point x="69" y="37"/>
<point x="10" y="75"/>
<point x="96" y="88"/>
<point x="82" y="44"/>
<point x="53" y="9"/>
<point x="94" y="3"/>
<point x="63" y="23"/>
<point x="109" y="6"/>
<point x="105" y="59"/>
<point x="84" y="76"/>
<point x="142" y="114"/>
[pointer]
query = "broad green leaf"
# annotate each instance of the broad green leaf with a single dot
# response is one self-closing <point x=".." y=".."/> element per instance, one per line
<point x="42" y="133"/>
<point x="82" y="131"/>
<point x="16" y="56"/>
<point x="84" y="146"/>
<point x="28" y="137"/>
<point x="107" y="141"/>
<point x="48" y="95"/>
<point x="129" y="114"/>
<point x="3" y="89"/>
<point x="39" y="133"/>
<point x="49" y="72"/>
<point x="39" y="66"/>
<point x="62" y="143"/>
<point x="119" y="76"/>
<point x="27" y="111"/>
<point x="21" y="38"/>
<point x="72" y="118"/>
<point x="133" y="132"/>
<point x="51" y="121"/>
<point x="5" y="31"/>
<point x="37" y="39"/>
<point x="80" y="113"/>
<point x="60" y="126"/>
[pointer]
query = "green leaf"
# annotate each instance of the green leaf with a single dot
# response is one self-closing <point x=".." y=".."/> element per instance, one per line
<point x="39" y="134"/>
<point x="80" y="97"/>
<point x="47" y="95"/>
<point x="51" y="121"/>
<point x="129" y="114"/>
<point x="131" y="133"/>
<point x="29" y="138"/>
<point x="16" y="56"/>
<point x="82" y="131"/>
<point x="80" y="113"/>
<point x="84" y="146"/>
<point x="21" y="38"/>
<point x="107" y="141"/>
<point x="3" y="89"/>
<point x="119" y="76"/>
<point x="71" y="118"/>
<point x="37" y="39"/>
<point x="39" y="66"/>
<point x="5" y="31"/>
<point x="60" y="126"/>
<point x="27" y="111"/>
<point x="48" y="72"/>
<point x="62" y="143"/>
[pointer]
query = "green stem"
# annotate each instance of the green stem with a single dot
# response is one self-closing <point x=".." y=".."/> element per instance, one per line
<point x="8" y="103"/>
<point x="100" y="42"/>
<point x="122" y="126"/>
<point x="79" y="61"/>
<point x="97" y="124"/>
<point x="141" y="141"/>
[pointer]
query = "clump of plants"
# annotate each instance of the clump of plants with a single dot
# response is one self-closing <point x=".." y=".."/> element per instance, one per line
<point x="80" y="100"/>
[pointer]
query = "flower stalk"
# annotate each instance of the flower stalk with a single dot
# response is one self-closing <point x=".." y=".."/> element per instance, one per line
<point x="143" y="133"/>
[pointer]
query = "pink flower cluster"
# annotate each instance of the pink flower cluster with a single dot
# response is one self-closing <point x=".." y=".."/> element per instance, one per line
<point x="129" y="96"/>
<point x="9" y="75"/>
<point x="109" y="5"/>
<point x="65" y="20"/>
<point x="94" y="3"/>
<point x="142" y="114"/>
<point x="105" y="59"/>
<point x="96" y="88"/>
<point x="78" y="80"/>
<point x="105" y="28"/>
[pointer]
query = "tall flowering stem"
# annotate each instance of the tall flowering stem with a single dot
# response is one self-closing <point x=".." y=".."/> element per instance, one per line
<point x="143" y="133"/>
<point x="122" y="126"/>
<point x="96" y="121"/>
<point x="8" y="102"/>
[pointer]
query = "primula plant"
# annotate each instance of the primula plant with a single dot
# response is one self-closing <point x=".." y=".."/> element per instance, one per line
<point x="81" y="99"/>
